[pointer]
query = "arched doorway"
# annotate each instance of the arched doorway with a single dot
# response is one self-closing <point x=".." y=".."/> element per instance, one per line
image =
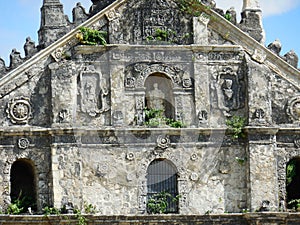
<point x="23" y="188"/>
<point x="159" y="94"/>
<point x="162" y="179"/>
<point x="293" y="183"/>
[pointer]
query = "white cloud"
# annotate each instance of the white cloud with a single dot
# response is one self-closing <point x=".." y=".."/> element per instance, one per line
<point x="269" y="7"/>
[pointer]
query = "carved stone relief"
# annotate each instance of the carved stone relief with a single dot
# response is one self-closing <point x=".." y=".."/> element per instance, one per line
<point x="139" y="107"/>
<point x="146" y="17"/>
<point x="202" y="118"/>
<point x="163" y="142"/>
<point x="259" y="115"/>
<point x="293" y="109"/>
<point x="23" y="143"/>
<point x="19" y="110"/>
<point x="64" y="116"/>
<point x="136" y="74"/>
<point x="228" y="89"/>
<point x="93" y="91"/>
<point x="118" y="118"/>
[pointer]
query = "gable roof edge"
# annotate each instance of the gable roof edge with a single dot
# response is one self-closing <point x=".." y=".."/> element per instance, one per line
<point x="69" y="38"/>
<point x="256" y="50"/>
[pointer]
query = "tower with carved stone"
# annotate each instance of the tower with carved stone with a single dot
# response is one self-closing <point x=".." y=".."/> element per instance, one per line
<point x="54" y="23"/>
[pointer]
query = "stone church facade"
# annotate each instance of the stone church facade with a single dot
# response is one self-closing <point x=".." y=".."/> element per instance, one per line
<point x="73" y="118"/>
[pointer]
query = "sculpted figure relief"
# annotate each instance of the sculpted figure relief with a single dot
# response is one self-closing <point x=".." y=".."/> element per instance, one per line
<point x="155" y="98"/>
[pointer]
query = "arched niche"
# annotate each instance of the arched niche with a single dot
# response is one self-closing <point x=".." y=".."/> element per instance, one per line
<point x="159" y="94"/>
<point x="162" y="177"/>
<point x="23" y="183"/>
<point x="293" y="182"/>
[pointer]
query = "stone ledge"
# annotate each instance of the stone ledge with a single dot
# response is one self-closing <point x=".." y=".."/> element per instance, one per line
<point x="220" y="219"/>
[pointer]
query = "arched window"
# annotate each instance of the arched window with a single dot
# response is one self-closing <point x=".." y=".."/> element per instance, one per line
<point x="22" y="179"/>
<point x="293" y="183"/>
<point x="162" y="178"/>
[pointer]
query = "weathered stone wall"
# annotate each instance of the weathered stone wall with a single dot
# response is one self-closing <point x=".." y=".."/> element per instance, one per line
<point x="110" y="171"/>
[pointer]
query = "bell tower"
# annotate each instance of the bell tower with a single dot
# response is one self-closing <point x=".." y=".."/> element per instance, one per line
<point x="54" y="23"/>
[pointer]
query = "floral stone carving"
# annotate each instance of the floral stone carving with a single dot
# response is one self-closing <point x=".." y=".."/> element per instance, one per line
<point x="19" y="110"/>
<point x="163" y="142"/>
<point x="293" y="108"/>
<point x="23" y="143"/>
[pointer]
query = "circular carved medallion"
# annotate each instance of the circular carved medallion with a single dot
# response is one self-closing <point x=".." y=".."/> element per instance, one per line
<point x="19" y="110"/>
<point x="23" y="143"/>
<point x="293" y="108"/>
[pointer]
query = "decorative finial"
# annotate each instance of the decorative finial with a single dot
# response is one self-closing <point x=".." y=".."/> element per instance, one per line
<point x="251" y="5"/>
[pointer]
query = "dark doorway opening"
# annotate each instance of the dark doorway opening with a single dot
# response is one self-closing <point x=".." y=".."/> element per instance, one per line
<point x="23" y="189"/>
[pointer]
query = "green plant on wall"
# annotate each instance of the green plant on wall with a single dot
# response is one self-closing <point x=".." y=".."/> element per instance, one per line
<point x="236" y="125"/>
<point x="155" y="118"/>
<point x="228" y="16"/>
<point x="158" y="203"/>
<point x="294" y="204"/>
<point x="162" y="35"/>
<point x="192" y="7"/>
<point x="89" y="36"/>
<point x="290" y="171"/>
<point x="20" y="205"/>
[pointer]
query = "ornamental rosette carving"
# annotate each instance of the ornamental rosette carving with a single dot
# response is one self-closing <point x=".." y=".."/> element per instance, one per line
<point x="19" y="110"/>
<point x="23" y="143"/>
<point x="163" y="142"/>
<point x="293" y="108"/>
<point x="130" y="156"/>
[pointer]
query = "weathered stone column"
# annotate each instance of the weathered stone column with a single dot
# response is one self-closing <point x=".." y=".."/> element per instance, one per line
<point x="263" y="184"/>
<point x="259" y="89"/>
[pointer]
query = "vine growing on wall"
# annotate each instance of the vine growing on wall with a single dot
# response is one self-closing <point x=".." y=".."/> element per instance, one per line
<point x="192" y="7"/>
<point x="155" y="118"/>
<point x="236" y="125"/>
<point x="89" y="36"/>
<point x="159" y="202"/>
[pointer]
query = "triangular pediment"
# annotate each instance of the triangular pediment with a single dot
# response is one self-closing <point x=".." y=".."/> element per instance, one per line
<point x="134" y="24"/>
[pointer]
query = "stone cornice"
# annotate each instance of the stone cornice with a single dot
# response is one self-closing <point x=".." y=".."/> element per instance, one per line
<point x="29" y="130"/>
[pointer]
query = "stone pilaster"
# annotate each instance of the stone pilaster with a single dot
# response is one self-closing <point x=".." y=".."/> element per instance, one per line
<point x="263" y="184"/>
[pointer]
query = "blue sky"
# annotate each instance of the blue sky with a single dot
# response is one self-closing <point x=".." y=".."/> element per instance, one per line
<point x="21" y="18"/>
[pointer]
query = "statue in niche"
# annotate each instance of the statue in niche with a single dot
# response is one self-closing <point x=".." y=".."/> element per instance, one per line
<point x="227" y="88"/>
<point x="155" y="98"/>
